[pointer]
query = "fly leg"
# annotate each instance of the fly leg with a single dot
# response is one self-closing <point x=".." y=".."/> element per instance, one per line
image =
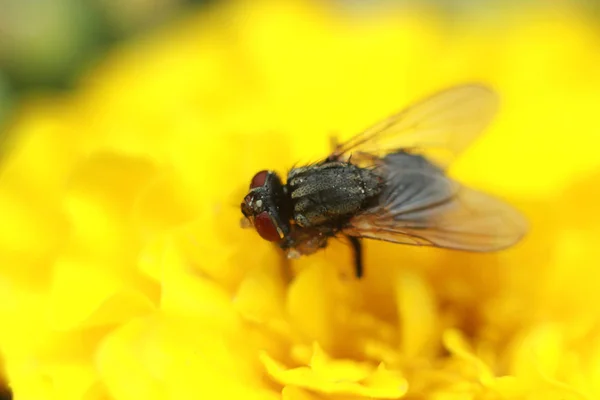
<point x="357" y="250"/>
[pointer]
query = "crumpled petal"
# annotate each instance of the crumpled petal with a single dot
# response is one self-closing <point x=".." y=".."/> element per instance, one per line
<point x="344" y="377"/>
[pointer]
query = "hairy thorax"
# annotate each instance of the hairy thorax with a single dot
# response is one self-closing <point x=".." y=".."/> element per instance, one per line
<point x="331" y="193"/>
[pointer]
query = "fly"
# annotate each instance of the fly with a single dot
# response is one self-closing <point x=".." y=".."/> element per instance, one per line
<point x="389" y="183"/>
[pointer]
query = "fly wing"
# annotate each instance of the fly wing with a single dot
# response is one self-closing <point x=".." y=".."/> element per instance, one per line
<point x="422" y="206"/>
<point x="439" y="127"/>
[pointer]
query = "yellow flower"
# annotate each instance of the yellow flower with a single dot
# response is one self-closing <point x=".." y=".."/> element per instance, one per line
<point x="125" y="274"/>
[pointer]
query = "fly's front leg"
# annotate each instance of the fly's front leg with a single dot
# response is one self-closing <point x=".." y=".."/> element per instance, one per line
<point x="357" y="250"/>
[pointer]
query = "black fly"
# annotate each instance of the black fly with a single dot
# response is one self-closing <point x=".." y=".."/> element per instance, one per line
<point x="389" y="183"/>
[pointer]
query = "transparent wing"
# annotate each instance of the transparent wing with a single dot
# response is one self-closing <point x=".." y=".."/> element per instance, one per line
<point x="421" y="206"/>
<point x="440" y="127"/>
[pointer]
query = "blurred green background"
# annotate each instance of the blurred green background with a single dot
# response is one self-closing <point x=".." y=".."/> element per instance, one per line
<point x="46" y="44"/>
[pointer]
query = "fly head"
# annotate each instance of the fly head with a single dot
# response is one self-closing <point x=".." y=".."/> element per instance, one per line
<point x="266" y="206"/>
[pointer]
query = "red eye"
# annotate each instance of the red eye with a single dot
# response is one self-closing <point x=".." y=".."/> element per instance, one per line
<point x="265" y="227"/>
<point x="259" y="179"/>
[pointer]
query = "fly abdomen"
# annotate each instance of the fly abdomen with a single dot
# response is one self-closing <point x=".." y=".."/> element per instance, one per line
<point x="330" y="193"/>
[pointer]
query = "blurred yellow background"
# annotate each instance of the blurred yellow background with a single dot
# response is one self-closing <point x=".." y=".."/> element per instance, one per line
<point x="131" y="130"/>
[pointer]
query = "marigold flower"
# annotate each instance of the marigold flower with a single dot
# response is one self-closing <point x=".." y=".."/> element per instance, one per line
<point x="125" y="274"/>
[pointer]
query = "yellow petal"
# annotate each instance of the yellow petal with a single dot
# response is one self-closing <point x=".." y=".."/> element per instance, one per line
<point x="457" y="345"/>
<point x="539" y="352"/>
<point x="194" y="296"/>
<point x="161" y="206"/>
<point x="337" y="370"/>
<point x="28" y="384"/>
<point x="261" y="295"/>
<point x="101" y="196"/>
<point x="295" y="393"/>
<point x="311" y="304"/>
<point x="88" y="295"/>
<point x="74" y="381"/>
<point x="417" y="314"/>
<point x="122" y="366"/>
<point x="379" y="383"/>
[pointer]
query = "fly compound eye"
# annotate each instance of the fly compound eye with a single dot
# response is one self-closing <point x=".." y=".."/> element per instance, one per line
<point x="259" y="179"/>
<point x="266" y="228"/>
